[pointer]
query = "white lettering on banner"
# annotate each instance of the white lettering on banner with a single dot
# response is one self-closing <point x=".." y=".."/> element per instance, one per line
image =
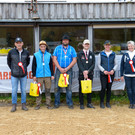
<point x="6" y="87"/>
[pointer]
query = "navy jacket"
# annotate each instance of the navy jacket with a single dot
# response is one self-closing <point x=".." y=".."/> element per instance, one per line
<point x="107" y="62"/>
<point x="125" y="67"/>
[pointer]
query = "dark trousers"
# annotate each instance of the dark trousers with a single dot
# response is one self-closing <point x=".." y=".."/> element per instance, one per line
<point x="89" y="95"/>
<point x="105" y="86"/>
<point x="130" y="86"/>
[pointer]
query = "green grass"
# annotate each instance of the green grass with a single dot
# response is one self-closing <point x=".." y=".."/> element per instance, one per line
<point x="116" y="100"/>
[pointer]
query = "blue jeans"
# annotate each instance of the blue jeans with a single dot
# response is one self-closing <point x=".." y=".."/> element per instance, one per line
<point x="23" y="82"/>
<point x="130" y="85"/>
<point x="68" y="89"/>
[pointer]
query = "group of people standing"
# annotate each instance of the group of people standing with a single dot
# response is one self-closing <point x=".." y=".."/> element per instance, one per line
<point x="64" y="58"/>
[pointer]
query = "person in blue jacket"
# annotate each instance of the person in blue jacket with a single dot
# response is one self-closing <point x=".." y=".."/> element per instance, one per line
<point x="127" y="71"/>
<point x="42" y="69"/>
<point x="107" y="64"/>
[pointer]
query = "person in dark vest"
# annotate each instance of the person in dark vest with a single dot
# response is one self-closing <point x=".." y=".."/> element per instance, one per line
<point x="107" y="65"/>
<point x="127" y="71"/>
<point x="18" y="59"/>
<point x="42" y="69"/>
<point x="86" y="64"/>
<point x="64" y="58"/>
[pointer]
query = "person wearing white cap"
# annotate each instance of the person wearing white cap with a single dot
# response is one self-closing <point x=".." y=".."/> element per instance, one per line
<point x="86" y="64"/>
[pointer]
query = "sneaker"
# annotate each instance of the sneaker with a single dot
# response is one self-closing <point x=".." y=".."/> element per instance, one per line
<point x="90" y="106"/>
<point x="81" y="106"/>
<point x="24" y="107"/>
<point x="102" y="105"/>
<point x="56" y="106"/>
<point x="71" y="107"/>
<point x="108" y="105"/>
<point x="37" y="107"/>
<point x="13" y="108"/>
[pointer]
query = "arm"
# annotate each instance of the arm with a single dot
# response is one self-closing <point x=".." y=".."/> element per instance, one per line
<point x="99" y="64"/>
<point x="71" y="64"/>
<point x="34" y="66"/>
<point x="57" y="64"/>
<point x="115" y="64"/>
<point x="28" y="59"/>
<point x="93" y="64"/>
<point x="9" y="60"/>
<point x="51" y="66"/>
<point x="122" y="66"/>
<point x="79" y="63"/>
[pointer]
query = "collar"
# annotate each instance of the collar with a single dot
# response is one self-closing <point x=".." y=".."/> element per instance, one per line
<point x="41" y="52"/>
<point x="18" y="51"/>
<point x="86" y="51"/>
<point x="64" y="47"/>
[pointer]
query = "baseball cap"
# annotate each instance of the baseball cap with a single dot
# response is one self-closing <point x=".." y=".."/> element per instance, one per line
<point x="18" y="39"/>
<point x="107" y="42"/>
<point x="86" y="41"/>
<point x="42" y="42"/>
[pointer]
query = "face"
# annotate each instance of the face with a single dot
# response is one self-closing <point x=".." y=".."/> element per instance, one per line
<point x="42" y="48"/>
<point x="65" y="42"/>
<point x="19" y="45"/>
<point x="131" y="47"/>
<point x="107" y="47"/>
<point x="86" y="46"/>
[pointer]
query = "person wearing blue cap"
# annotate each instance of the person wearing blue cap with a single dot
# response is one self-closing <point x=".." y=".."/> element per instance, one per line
<point x="107" y="65"/>
<point x="64" y="58"/>
<point x="18" y="59"/>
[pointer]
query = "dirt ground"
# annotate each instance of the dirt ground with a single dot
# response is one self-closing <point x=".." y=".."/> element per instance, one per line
<point x="120" y="120"/>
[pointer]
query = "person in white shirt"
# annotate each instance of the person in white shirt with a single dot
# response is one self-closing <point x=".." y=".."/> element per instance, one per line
<point x="107" y="64"/>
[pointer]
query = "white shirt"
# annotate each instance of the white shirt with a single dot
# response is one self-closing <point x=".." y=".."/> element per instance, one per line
<point x="108" y="53"/>
<point x="20" y="54"/>
<point x="86" y="51"/>
<point x="131" y="54"/>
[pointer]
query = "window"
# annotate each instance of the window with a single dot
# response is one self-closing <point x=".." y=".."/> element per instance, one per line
<point x="53" y="35"/>
<point x="8" y="35"/>
<point x="118" y="38"/>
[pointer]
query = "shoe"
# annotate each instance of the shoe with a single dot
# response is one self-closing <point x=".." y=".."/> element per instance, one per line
<point x="90" y="106"/>
<point x="24" y="107"/>
<point x="81" y="106"/>
<point x="49" y="107"/>
<point x="71" y="107"/>
<point x="56" y="106"/>
<point x="102" y="105"/>
<point x="108" y="105"/>
<point x="131" y="106"/>
<point x="13" y="108"/>
<point x="37" y="107"/>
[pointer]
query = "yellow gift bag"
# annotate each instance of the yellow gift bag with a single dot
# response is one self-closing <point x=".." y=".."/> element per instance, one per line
<point x="34" y="91"/>
<point x="86" y="86"/>
<point x="63" y="80"/>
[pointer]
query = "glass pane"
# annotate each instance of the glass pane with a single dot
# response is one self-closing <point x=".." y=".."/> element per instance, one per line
<point x="8" y="35"/>
<point x="53" y="35"/>
<point x="118" y="38"/>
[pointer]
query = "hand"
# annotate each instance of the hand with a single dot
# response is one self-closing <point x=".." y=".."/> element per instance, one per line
<point x="122" y="78"/>
<point x="85" y="72"/>
<point x="62" y="70"/>
<point x="106" y="72"/>
<point x="85" y="76"/>
<point x="52" y="77"/>
<point x="112" y="72"/>
<point x="34" y="79"/>
<point x="66" y="69"/>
